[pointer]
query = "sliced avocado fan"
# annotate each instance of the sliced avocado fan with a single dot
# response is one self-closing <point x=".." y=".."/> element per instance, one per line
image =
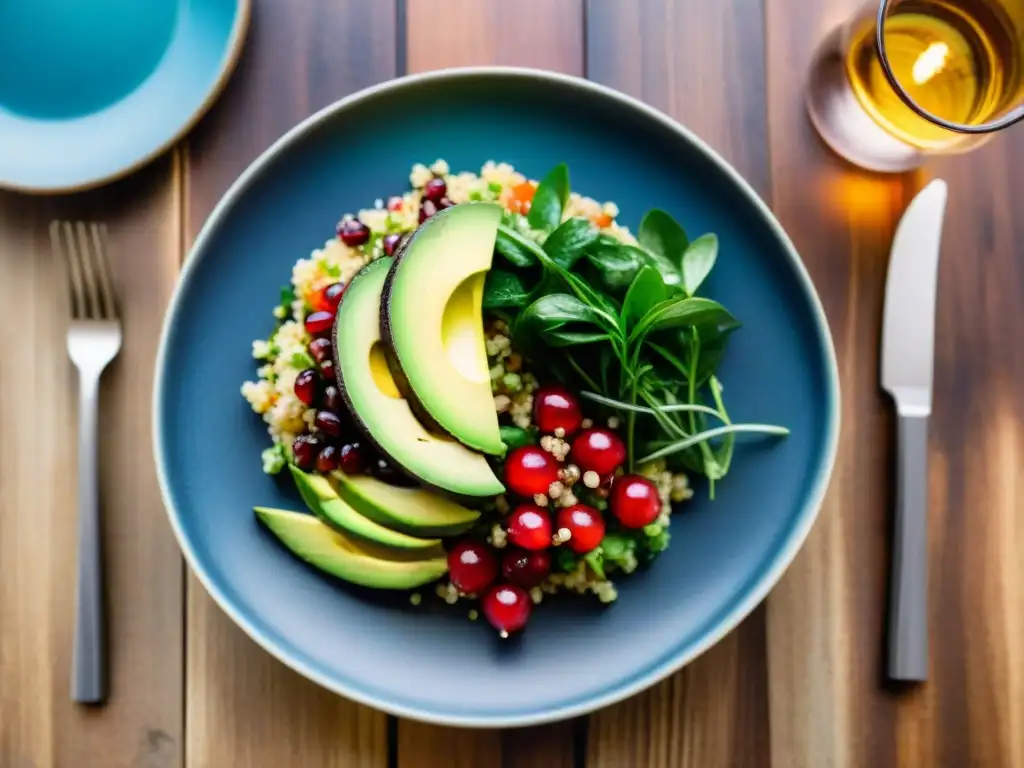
<point x="377" y="405"/>
<point x="332" y="552"/>
<point x="325" y="503"/>
<point x="412" y="510"/>
<point x="432" y="320"/>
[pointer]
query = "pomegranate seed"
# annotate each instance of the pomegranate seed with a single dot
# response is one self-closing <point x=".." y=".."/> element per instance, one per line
<point x="554" y="407"/>
<point x="320" y="322"/>
<point x="507" y="607"/>
<point x="529" y="527"/>
<point x="390" y="242"/>
<point x="435" y="189"/>
<point x="586" y="526"/>
<point x="329" y="423"/>
<point x="327" y="369"/>
<point x="395" y="203"/>
<point x="307" y="386"/>
<point x="320" y="349"/>
<point x="527" y="569"/>
<point x="332" y="400"/>
<point x="331" y="295"/>
<point x="353" y="232"/>
<point x="327" y="460"/>
<point x="599" y="450"/>
<point x="471" y="566"/>
<point x="530" y="470"/>
<point x="305" y="450"/>
<point x="427" y="209"/>
<point x="351" y="460"/>
<point x="634" y="501"/>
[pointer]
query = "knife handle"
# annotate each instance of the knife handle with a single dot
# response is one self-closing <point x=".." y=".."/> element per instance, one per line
<point x="908" y="598"/>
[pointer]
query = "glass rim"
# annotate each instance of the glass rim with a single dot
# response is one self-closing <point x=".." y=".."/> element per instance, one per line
<point x="991" y="126"/>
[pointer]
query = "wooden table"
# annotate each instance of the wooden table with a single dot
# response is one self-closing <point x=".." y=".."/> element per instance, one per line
<point x="798" y="685"/>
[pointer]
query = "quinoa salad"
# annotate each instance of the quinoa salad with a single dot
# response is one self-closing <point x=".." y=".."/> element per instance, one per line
<point x="515" y="418"/>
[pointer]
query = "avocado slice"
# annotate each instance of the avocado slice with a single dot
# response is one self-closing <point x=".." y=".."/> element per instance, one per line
<point x="325" y="503"/>
<point x="432" y="319"/>
<point x="377" y="405"/>
<point x="332" y="552"/>
<point x="413" y="510"/>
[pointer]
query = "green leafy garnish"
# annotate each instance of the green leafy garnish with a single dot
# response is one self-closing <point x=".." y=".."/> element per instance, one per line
<point x="504" y="289"/>
<point x="623" y="322"/>
<point x="549" y="199"/>
<point x="516" y="437"/>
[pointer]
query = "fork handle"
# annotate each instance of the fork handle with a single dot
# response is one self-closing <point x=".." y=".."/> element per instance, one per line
<point x="88" y="672"/>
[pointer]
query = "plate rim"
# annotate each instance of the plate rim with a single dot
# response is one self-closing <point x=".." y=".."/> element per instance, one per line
<point x="228" y="64"/>
<point x="671" y="662"/>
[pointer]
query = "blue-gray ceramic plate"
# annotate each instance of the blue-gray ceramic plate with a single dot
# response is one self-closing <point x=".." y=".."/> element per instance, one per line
<point x="436" y="665"/>
<point x="93" y="89"/>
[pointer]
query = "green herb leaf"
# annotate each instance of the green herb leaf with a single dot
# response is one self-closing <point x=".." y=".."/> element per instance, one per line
<point x="664" y="238"/>
<point x="504" y="289"/>
<point x="518" y="250"/>
<point x="647" y="291"/>
<point x="515" y="437"/>
<point x="698" y="260"/>
<point x="549" y="199"/>
<point x="560" y="338"/>
<point x="567" y="244"/>
<point x="595" y="559"/>
<point x="679" y="312"/>
<point x="592" y="296"/>
<point x="560" y="320"/>
<point x="302" y="360"/>
<point x="617" y="264"/>
<point x="708" y="434"/>
<point x="287" y="297"/>
<point x="565" y="560"/>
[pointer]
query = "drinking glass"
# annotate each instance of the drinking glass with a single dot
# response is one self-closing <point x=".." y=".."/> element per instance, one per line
<point x="905" y="79"/>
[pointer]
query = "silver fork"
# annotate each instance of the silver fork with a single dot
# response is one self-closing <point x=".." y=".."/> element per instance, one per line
<point x="94" y="339"/>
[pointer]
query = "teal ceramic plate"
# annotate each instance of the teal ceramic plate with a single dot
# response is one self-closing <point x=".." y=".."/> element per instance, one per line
<point x="426" y="662"/>
<point x="92" y="89"/>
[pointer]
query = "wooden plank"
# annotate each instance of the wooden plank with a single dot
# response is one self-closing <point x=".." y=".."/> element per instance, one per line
<point x="450" y="33"/>
<point x="243" y="706"/>
<point x="142" y="721"/>
<point x="702" y="63"/>
<point x="829" y="706"/>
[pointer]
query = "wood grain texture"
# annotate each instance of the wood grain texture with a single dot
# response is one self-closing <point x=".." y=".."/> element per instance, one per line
<point x="829" y="703"/>
<point x="141" y="725"/>
<point x="449" y="33"/>
<point x="703" y="64"/>
<point x="244" y="708"/>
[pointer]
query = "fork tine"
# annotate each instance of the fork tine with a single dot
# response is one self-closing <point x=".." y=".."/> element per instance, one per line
<point x="102" y="267"/>
<point x="61" y="247"/>
<point x="79" y="240"/>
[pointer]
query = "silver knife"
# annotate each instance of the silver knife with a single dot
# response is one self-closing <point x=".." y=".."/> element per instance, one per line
<point x="908" y="342"/>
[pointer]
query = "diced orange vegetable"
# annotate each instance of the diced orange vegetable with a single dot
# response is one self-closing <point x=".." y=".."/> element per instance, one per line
<point x="602" y="220"/>
<point x="521" y="197"/>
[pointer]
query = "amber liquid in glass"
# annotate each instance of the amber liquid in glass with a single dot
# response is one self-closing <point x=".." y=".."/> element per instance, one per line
<point x="959" y="59"/>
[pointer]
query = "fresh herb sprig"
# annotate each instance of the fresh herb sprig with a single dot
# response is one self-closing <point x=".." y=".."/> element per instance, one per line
<point x="627" y="324"/>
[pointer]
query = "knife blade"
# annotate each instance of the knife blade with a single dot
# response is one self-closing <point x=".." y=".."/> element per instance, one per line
<point x="907" y="368"/>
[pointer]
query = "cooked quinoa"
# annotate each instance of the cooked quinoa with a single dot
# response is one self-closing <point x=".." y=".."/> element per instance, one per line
<point x="283" y="355"/>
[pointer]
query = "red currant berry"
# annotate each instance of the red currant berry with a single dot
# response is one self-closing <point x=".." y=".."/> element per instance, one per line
<point x="527" y="569"/>
<point x="555" y="407"/>
<point x="529" y="527"/>
<point x="471" y="566"/>
<point x="634" y="501"/>
<point x="507" y="607"/>
<point x="599" y="450"/>
<point x="585" y="525"/>
<point x="530" y="470"/>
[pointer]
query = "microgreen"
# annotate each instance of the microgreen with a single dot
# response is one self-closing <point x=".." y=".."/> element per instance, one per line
<point x="623" y="322"/>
